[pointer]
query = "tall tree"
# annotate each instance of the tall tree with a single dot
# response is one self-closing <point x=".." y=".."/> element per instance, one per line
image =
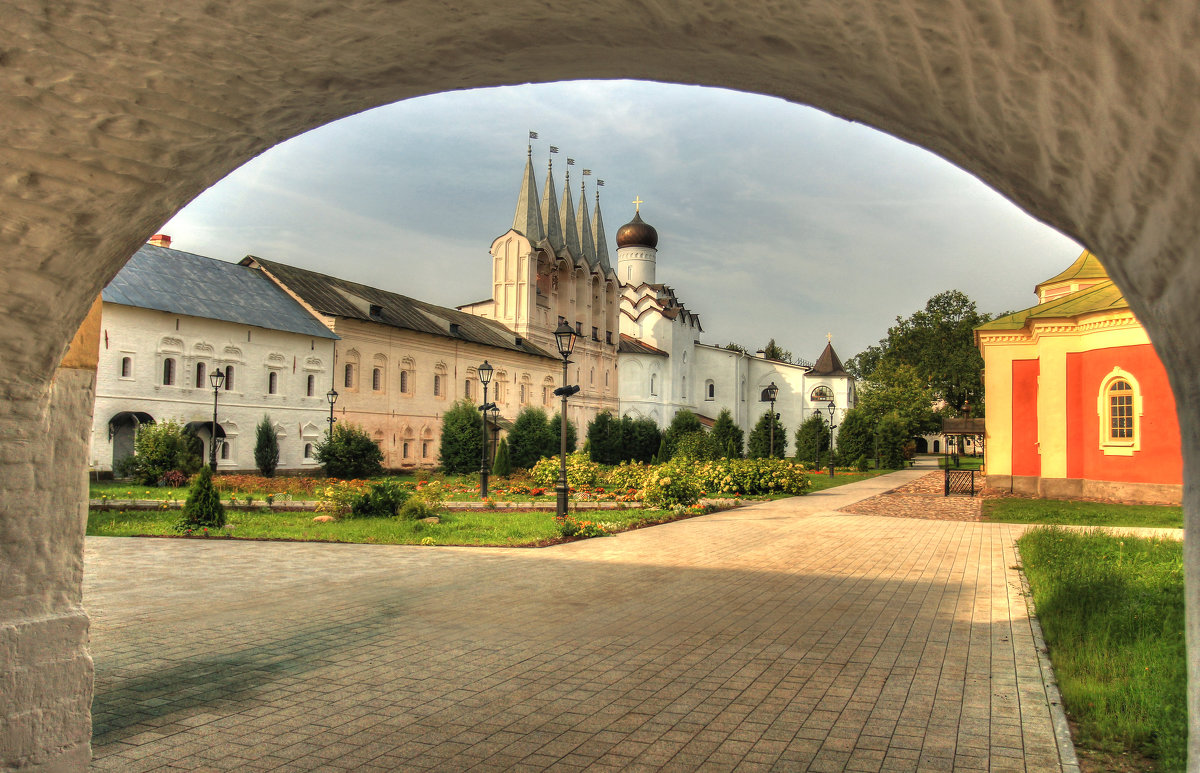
<point x="728" y="437"/>
<point x="530" y="438"/>
<point x="266" y="447"/>
<point x="812" y="439"/>
<point x="685" y="422"/>
<point x="640" y="439"/>
<point x="897" y="388"/>
<point x="604" y="439"/>
<point x="855" y="437"/>
<point x="759" y="444"/>
<point x="773" y="351"/>
<point x="554" y="438"/>
<point x="462" y="438"/>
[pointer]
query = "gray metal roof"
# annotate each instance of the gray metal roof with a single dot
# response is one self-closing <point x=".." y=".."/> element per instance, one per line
<point x="182" y="283"/>
<point x="343" y="298"/>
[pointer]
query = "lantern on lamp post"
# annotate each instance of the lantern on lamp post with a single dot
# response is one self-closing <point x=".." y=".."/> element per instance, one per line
<point x="332" y="397"/>
<point x="485" y="377"/>
<point x="564" y="339"/>
<point x="768" y="395"/>
<point x="832" y="410"/>
<point x="217" y="380"/>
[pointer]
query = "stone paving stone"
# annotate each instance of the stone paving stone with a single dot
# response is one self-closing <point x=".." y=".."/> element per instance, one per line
<point x="791" y="635"/>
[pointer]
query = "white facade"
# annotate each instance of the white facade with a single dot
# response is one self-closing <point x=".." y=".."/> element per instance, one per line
<point x="664" y="368"/>
<point x="276" y="373"/>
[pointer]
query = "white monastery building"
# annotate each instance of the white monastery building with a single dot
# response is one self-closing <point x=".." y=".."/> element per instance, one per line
<point x="397" y="363"/>
<point x="168" y="319"/>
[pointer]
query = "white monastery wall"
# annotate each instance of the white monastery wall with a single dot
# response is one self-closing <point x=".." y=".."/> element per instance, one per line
<point x="147" y="338"/>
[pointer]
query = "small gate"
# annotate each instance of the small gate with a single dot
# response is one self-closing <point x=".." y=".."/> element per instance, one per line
<point x="960" y="482"/>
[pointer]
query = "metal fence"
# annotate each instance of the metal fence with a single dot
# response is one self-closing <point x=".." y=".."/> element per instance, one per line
<point x="960" y="482"/>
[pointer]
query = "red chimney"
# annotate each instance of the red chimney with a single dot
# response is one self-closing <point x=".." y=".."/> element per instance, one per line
<point x="160" y="240"/>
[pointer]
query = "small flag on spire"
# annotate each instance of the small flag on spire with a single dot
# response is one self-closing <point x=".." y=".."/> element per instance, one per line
<point x="570" y="162"/>
<point x="533" y="135"/>
<point x="587" y="172"/>
<point x="600" y="183"/>
<point x="553" y="148"/>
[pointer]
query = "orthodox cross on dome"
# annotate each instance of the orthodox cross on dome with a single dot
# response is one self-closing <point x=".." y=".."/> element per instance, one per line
<point x="829" y="337"/>
<point x="637" y="204"/>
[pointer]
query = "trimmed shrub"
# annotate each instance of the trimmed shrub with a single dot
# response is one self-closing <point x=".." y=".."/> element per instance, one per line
<point x="531" y="438"/>
<point x="502" y="467"/>
<point x="604" y="439"/>
<point x="640" y="439"/>
<point x="759" y="444"/>
<point x="380" y="500"/>
<point x="203" y="508"/>
<point x="348" y="452"/>
<point x="625" y="476"/>
<point x="728" y="437"/>
<point x="581" y="471"/>
<point x="812" y="440"/>
<point x="554" y="441"/>
<point x="670" y="485"/>
<point x="695" y="446"/>
<point x="462" y="438"/>
<point x="159" y="449"/>
<point x="266" y="447"/>
<point x="893" y="435"/>
<point x="733" y="477"/>
<point x="684" y="423"/>
<point x="855" y="436"/>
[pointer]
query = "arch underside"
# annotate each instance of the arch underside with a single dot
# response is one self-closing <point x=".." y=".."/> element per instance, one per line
<point x="118" y="114"/>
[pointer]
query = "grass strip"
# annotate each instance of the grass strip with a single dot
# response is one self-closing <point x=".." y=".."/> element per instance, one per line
<point x="1057" y="511"/>
<point x="478" y="528"/>
<point x="1112" y="610"/>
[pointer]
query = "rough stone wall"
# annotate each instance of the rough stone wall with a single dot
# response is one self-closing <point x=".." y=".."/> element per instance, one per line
<point x="118" y="112"/>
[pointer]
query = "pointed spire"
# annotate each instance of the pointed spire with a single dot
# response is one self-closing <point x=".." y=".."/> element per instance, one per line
<point x="828" y="364"/>
<point x="570" y="230"/>
<point x="586" y="245"/>
<point x="550" y="217"/>
<point x="599" y="240"/>
<point x="528" y="219"/>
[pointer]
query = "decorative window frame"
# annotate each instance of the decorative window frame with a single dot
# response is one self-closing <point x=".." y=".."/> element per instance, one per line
<point x="408" y="376"/>
<point x="121" y="358"/>
<point x="710" y="390"/>
<point x="1121" y="446"/>
<point x="822" y="393"/>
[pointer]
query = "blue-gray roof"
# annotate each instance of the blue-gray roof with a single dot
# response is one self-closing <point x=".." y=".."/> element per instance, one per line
<point x="182" y="283"/>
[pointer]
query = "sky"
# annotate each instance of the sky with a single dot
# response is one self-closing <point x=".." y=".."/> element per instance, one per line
<point x="775" y="220"/>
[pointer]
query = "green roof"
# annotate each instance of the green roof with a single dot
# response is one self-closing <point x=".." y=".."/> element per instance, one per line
<point x="1102" y="297"/>
<point x="1086" y="266"/>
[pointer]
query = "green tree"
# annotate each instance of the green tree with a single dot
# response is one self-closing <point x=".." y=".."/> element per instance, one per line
<point x="939" y="343"/>
<point x="640" y="439"/>
<point x="897" y="388"/>
<point x="554" y="437"/>
<point x="159" y="449"/>
<point x="728" y="437"/>
<point x="604" y="439"/>
<point x="812" y="440"/>
<point x="697" y="446"/>
<point x="685" y="422"/>
<point x="502" y="467"/>
<point x="266" y="447"/>
<point x="758" y="446"/>
<point x="734" y="347"/>
<point x="773" y="351"/>
<point x="203" y="508"/>
<point x="531" y="439"/>
<point x="347" y="452"/>
<point x="462" y="438"/>
<point x="893" y="436"/>
<point x="855" y="437"/>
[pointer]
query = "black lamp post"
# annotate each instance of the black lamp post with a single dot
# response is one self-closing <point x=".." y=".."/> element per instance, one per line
<point x="564" y="339"/>
<point x="831" y="408"/>
<point x="817" y="447"/>
<point x="217" y="379"/>
<point x="331" y="396"/>
<point x="769" y="394"/>
<point x="485" y="377"/>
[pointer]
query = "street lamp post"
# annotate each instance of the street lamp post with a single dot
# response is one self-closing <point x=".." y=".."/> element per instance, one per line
<point x="832" y="408"/>
<point x="332" y="397"/>
<point x="485" y="377"/>
<point x="770" y="393"/>
<point x="564" y="339"/>
<point x="217" y="379"/>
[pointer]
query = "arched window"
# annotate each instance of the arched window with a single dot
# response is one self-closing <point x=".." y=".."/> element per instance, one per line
<point x="466" y="391"/>
<point x="821" y="394"/>
<point x="654" y="383"/>
<point x="310" y="388"/>
<point x="683" y="387"/>
<point x="228" y="378"/>
<point x="308" y="450"/>
<point x="437" y="384"/>
<point x="377" y="379"/>
<point x="126" y="367"/>
<point x="200" y="382"/>
<point x="1119" y="406"/>
<point x="404" y="381"/>
<point x="225" y="450"/>
<point x="348" y="380"/>
<point x="424" y="449"/>
<point x="710" y="390"/>
<point x="272" y="383"/>
<point x="169" y="371"/>
<point x="404" y="450"/>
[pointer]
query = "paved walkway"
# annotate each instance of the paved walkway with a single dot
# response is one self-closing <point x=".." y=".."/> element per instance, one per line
<point x="783" y="636"/>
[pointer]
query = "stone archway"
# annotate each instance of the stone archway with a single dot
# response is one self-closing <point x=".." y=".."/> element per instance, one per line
<point x="117" y="114"/>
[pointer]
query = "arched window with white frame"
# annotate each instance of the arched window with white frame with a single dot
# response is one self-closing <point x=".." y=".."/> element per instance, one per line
<point x="1119" y="410"/>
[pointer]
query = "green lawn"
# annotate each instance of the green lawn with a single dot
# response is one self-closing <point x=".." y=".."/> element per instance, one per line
<point x="964" y="462"/>
<point x="487" y="527"/>
<point x="1112" y="610"/>
<point x="1057" y="511"/>
<point x="822" y="481"/>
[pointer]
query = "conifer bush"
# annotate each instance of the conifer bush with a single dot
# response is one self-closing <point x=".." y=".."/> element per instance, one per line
<point x="203" y="508"/>
<point x="502" y="467"/>
<point x="266" y="448"/>
<point x="348" y="452"/>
